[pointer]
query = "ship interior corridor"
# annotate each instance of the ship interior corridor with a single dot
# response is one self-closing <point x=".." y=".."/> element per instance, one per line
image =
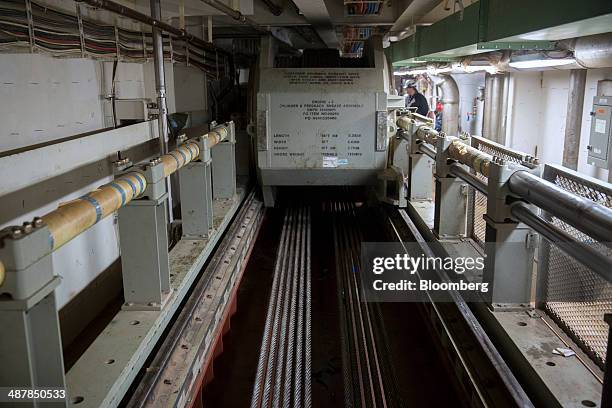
<point x="305" y="203"/>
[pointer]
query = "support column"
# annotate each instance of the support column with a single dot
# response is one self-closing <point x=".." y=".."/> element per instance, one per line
<point x="450" y="214"/>
<point x="197" y="194"/>
<point x="573" y="120"/>
<point x="224" y="167"/>
<point x="509" y="245"/>
<point x="143" y="237"/>
<point x="31" y="346"/>
<point x="421" y="184"/>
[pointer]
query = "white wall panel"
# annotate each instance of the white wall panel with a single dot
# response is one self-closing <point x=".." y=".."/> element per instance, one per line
<point x="46" y="98"/>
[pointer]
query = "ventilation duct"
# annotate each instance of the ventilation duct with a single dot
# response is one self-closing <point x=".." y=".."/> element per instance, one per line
<point x="594" y="51"/>
<point x="450" y="103"/>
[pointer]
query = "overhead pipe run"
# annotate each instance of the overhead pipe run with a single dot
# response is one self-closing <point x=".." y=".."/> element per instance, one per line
<point x="235" y="14"/>
<point x="594" y="51"/>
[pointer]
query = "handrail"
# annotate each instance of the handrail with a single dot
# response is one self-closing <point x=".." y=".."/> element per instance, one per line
<point x="581" y="252"/>
<point x="428" y="150"/>
<point x="458" y="170"/>
<point x="583" y="214"/>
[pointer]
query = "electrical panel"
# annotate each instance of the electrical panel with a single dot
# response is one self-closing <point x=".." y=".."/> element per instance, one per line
<point x="600" y="140"/>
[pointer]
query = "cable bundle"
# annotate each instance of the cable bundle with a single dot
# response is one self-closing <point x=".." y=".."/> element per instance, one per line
<point x="57" y="32"/>
<point x="362" y="7"/>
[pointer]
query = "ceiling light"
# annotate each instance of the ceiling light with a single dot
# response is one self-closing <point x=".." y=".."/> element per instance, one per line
<point x="479" y="68"/>
<point x="410" y="72"/>
<point x="541" y="63"/>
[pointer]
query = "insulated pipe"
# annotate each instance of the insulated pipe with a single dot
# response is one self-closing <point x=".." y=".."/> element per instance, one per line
<point x="458" y="150"/>
<point x="573" y="120"/>
<point x="594" y="51"/>
<point x="470" y="156"/>
<point x="585" y="215"/>
<point x="581" y="252"/>
<point x="74" y="217"/>
<point x="423" y="132"/>
<point x="143" y="18"/>
<point x="179" y="157"/>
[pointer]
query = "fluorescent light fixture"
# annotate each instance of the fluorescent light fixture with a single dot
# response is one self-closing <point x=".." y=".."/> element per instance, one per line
<point x="410" y="72"/>
<point x="541" y="63"/>
<point x="479" y="68"/>
<point x="432" y="70"/>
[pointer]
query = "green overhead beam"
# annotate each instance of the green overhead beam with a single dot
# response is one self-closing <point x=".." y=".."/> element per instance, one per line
<point x="545" y="19"/>
<point x="451" y="32"/>
<point x="504" y="25"/>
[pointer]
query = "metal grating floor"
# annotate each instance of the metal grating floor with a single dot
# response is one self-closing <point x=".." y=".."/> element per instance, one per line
<point x="576" y="297"/>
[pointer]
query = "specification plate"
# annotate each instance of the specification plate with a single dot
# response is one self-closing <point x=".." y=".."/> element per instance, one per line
<point x="322" y="130"/>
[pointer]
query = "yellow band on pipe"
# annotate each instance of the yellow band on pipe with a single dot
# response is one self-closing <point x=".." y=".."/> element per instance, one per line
<point x="2" y="273"/>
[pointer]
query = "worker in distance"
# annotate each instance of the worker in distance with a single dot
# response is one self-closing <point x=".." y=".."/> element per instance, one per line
<point x="417" y="100"/>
